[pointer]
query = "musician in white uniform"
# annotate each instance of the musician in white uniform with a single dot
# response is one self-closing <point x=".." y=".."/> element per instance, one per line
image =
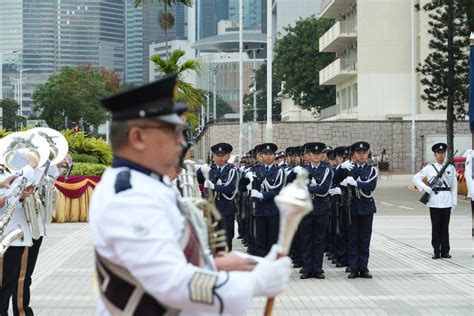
<point x="443" y="199"/>
<point x="469" y="176"/>
<point x="148" y="258"/>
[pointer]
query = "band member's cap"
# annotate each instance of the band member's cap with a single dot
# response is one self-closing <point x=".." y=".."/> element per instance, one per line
<point x="314" y="147"/>
<point x="341" y="151"/>
<point x="268" y="148"/>
<point x="221" y="148"/>
<point x="360" y="146"/>
<point x="439" y="147"/>
<point x="155" y="101"/>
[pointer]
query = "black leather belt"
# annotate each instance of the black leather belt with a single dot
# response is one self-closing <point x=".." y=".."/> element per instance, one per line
<point x="441" y="189"/>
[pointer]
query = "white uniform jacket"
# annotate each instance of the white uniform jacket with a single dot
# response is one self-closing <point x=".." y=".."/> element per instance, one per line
<point x="441" y="199"/>
<point x="139" y="229"/>
<point x="18" y="219"/>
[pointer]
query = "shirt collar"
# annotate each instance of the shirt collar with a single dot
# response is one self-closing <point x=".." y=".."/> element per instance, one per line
<point x="315" y="165"/>
<point x="118" y="162"/>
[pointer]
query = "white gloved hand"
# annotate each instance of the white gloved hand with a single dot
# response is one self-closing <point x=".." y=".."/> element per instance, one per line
<point x="297" y="169"/>
<point x="348" y="165"/>
<point x="343" y="183"/>
<point x="209" y="184"/>
<point x="428" y="190"/>
<point x="351" y="181"/>
<point x="313" y="183"/>
<point x="256" y="194"/>
<point x="271" y="276"/>
<point x="453" y="207"/>
<point x="250" y="176"/>
<point x="335" y="191"/>
<point x="205" y="168"/>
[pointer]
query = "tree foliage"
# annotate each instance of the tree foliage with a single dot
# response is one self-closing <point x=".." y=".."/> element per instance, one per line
<point x="444" y="72"/>
<point x="10" y="113"/>
<point x="176" y="64"/>
<point x="75" y="92"/>
<point x="298" y="62"/>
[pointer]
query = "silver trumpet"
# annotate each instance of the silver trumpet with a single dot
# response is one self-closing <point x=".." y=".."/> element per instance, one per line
<point x="33" y="209"/>
<point x="293" y="202"/>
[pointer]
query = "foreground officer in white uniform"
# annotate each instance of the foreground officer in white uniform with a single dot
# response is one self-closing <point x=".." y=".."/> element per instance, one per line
<point x="443" y="197"/>
<point x="149" y="260"/>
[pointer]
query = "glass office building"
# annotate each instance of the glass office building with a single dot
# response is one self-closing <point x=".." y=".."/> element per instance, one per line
<point x="46" y="35"/>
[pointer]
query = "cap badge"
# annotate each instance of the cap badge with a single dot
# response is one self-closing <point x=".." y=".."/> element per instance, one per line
<point x="440" y="146"/>
<point x="268" y="146"/>
<point x="142" y="113"/>
<point x="220" y="149"/>
<point x="361" y="145"/>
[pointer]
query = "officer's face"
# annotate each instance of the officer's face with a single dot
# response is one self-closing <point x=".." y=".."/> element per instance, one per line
<point x="339" y="160"/>
<point x="268" y="157"/>
<point x="361" y="156"/>
<point x="440" y="156"/>
<point x="220" y="159"/>
<point x="315" y="157"/>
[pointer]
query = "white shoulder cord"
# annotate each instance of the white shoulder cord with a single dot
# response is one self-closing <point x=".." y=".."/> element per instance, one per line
<point x="268" y="187"/>
<point x="370" y="179"/>
<point x="232" y="174"/>
<point x="326" y="173"/>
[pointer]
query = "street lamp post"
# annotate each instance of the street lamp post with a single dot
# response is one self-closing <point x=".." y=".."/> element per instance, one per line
<point x="21" y="90"/>
<point x="269" y="127"/>
<point x="214" y="97"/>
<point x="207" y="109"/>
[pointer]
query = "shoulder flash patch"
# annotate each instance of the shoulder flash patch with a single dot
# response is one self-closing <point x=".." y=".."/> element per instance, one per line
<point x="122" y="182"/>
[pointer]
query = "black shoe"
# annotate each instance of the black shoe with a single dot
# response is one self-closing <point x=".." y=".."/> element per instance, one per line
<point x="446" y="255"/>
<point x="365" y="275"/>
<point x="353" y="275"/>
<point x="436" y="256"/>
<point x="302" y="271"/>
<point x="306" y="276"/>
<point x="297" y="265"/>
<point x="319" y="275"/>
<point x="348" y="269"/>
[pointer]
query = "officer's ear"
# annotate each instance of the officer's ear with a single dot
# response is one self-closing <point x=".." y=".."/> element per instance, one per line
<point x="135" y="138"/>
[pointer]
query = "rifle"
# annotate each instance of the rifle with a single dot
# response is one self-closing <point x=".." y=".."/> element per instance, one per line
<point x="425" y="198"/>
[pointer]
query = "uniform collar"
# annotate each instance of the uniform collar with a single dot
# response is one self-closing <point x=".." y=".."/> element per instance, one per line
<point x="118" y="162"/>
<point x="314" y="165"/>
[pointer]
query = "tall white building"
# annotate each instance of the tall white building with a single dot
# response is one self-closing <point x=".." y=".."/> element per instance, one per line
<point x="373" y="69"/>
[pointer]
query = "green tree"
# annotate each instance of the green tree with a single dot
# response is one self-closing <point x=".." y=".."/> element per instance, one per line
<point x="298" y="62"/>
<point x="75" y="92"/>
<point x="175" y="64"/>
<point x="166" y="19"/>
<point x="445" y="70"/>
<point x="10" y="113"/>
<point x="469" y="8"/>
<point x="261" y="77"/>
<point x="222" y="107"/>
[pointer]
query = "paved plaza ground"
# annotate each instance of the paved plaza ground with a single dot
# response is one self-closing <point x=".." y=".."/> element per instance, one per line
<point x="406" y="280"/>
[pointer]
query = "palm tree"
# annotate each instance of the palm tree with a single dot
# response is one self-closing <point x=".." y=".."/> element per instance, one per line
<point x="165" y="18"/>
<point x="186" y="92"/>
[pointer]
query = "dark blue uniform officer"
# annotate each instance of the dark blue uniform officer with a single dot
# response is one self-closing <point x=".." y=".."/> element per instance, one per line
<point x="361" y="180"/>
<point x="268" y="183"/>
<point x="314" y="225"/>
<point x="223" y="180"/>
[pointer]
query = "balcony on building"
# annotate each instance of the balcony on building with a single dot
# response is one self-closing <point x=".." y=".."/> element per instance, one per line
<point x="338" y="71"/>
<point x="338" y="37"/>
<point x="332" y="8"/>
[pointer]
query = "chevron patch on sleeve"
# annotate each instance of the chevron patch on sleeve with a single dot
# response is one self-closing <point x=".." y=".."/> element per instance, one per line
<point x="201" y="288"/>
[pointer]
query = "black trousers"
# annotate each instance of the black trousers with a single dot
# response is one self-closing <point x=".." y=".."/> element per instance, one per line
<point x="229" y="230"/>
<point x="17" y="271"/>
<point x="440" y="229"/>
<point x="360" y="234"/>
<point x="267" y="233"/>
<point x="313" y="234"/>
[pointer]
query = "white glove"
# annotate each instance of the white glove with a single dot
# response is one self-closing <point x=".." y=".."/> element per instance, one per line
<point x="313" y="183"/>
<point x="335" y="191"/>
<point x="250" y="176"/>
<point x="209" y="184"/>
<point x="297" y="169"/>
<point x="256" y="194"/>
<point x="344" y="183"/>
<point x="453" y="207"/>
<point x="428" y="190"/>
<point x="205" y="168"/>
<point x="347" y="165"/>
<point x="351" y="181"/>
<point x="271" y="276"/>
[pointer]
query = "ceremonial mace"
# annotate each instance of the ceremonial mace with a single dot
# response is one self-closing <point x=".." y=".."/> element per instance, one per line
<point x="293" y="202"/>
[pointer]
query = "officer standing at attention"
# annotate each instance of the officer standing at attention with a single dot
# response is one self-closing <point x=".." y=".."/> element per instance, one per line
<point x="443" y="199"/>
<point x="314" y="226"/>
<point x="361" y="179"/>
<point x="269" y="182"/>
<point x="149" y="259"/>
<point x="223" y="181"/>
